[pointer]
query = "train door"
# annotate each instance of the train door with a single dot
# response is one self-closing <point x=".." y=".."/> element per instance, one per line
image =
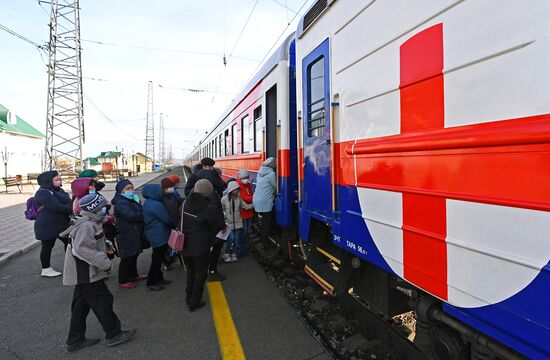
<point x="317" y="192"/>
<point x="271" y="122"/>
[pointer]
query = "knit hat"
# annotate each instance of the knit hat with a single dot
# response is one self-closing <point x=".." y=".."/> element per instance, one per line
<point x="175" y="179"/>
<point x="271" y="162"/>
<point x="92" y="203"/>
<point x="207" y="161"/>
<point x="87" y="173"/>
<point x="233" y="185"/>
<point x="121" y="185"/>
<point x="166" y="183"/>
<point x="243" y="173"/>
<point x="203" y="187"/>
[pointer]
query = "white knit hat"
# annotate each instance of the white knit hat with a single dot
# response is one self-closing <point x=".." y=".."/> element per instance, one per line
<point x="271" y="162"/>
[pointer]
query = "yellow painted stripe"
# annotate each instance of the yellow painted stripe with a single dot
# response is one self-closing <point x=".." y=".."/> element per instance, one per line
<point x="319" y="278"/>
<point x="328" y="255"/>
<point x="228" y="338"/>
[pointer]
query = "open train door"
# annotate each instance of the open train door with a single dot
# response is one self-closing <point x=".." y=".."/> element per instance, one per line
<point x="317" y="190"/>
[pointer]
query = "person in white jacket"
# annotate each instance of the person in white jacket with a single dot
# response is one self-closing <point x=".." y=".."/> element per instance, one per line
<point x="232" y="203"/>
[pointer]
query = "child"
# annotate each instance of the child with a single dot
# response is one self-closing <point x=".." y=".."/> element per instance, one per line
<point x="243" y="179"/>
<point x="86" y="266"/>
<point x="232" y="205"/>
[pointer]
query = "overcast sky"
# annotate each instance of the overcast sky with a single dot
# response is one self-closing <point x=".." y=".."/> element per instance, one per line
<point x="121" y="73"/>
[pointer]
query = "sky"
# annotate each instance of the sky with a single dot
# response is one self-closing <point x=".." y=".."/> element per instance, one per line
<point x="116" y="77"/>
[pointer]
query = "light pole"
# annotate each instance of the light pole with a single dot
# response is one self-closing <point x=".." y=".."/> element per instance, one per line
<point x="5" y="158"/>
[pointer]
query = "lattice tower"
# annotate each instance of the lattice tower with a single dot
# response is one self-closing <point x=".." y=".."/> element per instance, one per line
<point x="162" y="150"/>
<point x="150" y="126"/>
<point x="65" y="112"/>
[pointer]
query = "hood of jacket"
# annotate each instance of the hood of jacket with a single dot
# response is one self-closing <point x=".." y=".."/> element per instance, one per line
<point x="264" y="170"/>
<point x="46" y="179"/>
<point x="196" y="202"/>
<point x="80" y="186"/>
<point x="152" y="191"/>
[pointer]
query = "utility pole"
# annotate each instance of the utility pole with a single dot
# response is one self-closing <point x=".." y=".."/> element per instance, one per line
<point x="162" y="150"/>
<point x="150" y="126"/>
<point x="65" y="112"/>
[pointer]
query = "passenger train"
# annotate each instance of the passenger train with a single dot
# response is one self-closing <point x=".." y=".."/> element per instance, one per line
<point x="413" y="159"/>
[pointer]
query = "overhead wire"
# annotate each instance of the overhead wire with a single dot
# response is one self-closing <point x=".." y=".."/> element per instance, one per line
<point x="109" y="119"/>
<point x="276" y="41"/>
<point x="184" y="51"/>
<point x="25" y="39"/>
<point x="243" y="29"/>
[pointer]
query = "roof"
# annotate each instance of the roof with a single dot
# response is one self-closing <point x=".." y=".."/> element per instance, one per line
<point x="109" y="154"/>
<point x="92" y="161"/>
<point x="143" y="155"/>
<point x="21" y="127"/>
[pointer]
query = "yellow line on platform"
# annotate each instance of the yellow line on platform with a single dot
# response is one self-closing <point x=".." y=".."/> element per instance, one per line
<point x="228" y="338"/>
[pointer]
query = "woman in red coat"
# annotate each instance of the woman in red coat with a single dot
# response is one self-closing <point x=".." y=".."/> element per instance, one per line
<point x="243" y="179"/>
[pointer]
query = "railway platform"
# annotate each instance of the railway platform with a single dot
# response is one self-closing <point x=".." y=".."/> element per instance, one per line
<point x="245" y="316"/>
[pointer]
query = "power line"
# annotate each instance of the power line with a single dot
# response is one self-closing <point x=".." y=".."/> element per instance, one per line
<point x="109" y="119"/>
<point x="163" y="49"/>
<point x="27" y="40"/>
<point x="276" y="41"/>
<point x="242" y="30"/>
<point x="284" y="5"/>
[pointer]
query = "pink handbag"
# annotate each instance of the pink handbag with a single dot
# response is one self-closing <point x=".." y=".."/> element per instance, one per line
<point x="176" y="241"/>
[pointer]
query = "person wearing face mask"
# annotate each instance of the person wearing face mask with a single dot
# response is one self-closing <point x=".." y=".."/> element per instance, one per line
<point x="232" y="205"/>
<point x="176" y="180"/>
<point x="130" y="231"/>
<point x="89" y="173"/>
<point x="86" y="266"/>
<point x="80" y="187"/>
<point x="55" y="209"/>
<point x="171" y="201"/>
<point x="243" y="179"/>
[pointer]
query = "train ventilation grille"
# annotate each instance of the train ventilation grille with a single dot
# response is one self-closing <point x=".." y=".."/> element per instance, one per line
<point x="314" y="12"/>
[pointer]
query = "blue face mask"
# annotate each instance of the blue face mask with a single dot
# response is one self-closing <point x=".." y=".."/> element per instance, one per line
<point x="91" y="192"/>
<point x="129" y="194"/>
<point x="104" y="211"/>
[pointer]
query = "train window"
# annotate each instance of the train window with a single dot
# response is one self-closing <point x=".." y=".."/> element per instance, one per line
<point x="220" y="147"/>
<point x="226" y="140"/>
<point x="234" y="139"/>
<point x="316" y="98"/>
<point x="245" y="131"/>
<point x="258" y="134"/>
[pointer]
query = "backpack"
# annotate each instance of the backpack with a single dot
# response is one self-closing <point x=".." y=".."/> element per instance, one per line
<point x="32" y="210"/>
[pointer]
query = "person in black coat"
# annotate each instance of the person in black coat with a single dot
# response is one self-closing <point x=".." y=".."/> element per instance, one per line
<point x="202" y="220"/>
<point x="171" y="201"/>
<point x="130" y="227"/>
<point x="209" y="173"/>
<point x="192" y="179"/>
<point x="55" y="209"/>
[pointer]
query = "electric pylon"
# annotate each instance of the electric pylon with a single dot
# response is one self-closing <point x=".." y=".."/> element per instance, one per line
<point x="162" y="150"/>
<point x="65" y="112"/>
<point x="150" y="126"/>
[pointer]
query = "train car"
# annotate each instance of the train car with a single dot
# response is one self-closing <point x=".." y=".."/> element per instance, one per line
<point x="261" y="123"/>
<point x="412" y="141"/>
<point x="424" y="165"/>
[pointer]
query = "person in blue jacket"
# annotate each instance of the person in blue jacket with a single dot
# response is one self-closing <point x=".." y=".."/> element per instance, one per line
<point x="55" y="209"/>
<point x="264" y="194"/>
<point x="129" y="225"/>
<point x="158" y="224"/>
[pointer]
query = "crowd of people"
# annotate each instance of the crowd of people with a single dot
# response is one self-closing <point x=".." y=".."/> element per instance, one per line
<point x="214" y="215"/>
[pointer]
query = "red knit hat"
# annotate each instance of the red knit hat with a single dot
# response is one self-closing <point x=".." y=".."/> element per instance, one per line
<point x="166" y="183"/>
<point x="175" y="179"/>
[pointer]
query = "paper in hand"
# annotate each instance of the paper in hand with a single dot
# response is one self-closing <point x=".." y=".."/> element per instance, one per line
<point x="223" y="234"/>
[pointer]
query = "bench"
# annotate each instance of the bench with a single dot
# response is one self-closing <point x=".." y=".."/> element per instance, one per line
<point x="13" y="181"/>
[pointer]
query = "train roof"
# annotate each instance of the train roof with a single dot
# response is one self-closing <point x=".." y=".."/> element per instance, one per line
<point x="280" y="54"/>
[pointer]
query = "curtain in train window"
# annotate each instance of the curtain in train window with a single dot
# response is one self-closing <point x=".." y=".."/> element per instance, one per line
<point x="234" y="139"/>
<point x="258" y="133"/>
<point x="245" y="131"/>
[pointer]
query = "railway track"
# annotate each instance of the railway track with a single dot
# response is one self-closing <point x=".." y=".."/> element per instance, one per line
<point x="345" y="327"/>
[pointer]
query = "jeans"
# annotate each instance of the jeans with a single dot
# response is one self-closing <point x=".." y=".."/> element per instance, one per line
<point x="234" y="241"/>
<point x="95" y="296"/>
<point x="243" y="246"/>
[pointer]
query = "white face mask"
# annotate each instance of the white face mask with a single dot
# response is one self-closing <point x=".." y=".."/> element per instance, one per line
<point x="245" y="181"/>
